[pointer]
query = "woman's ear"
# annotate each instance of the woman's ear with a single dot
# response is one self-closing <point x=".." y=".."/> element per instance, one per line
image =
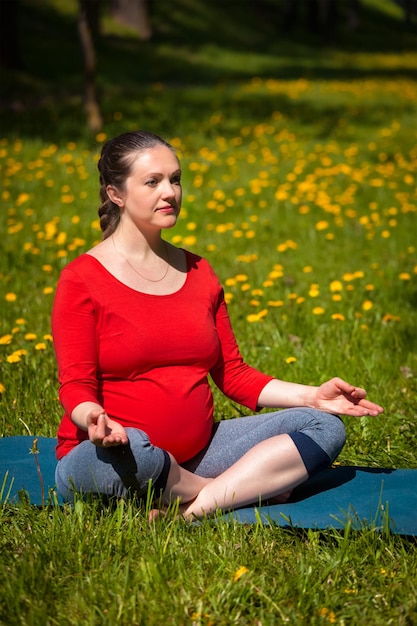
<point x="114" y="195"/>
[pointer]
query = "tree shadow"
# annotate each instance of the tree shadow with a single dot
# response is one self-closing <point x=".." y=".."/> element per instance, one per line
<point x="196" y="45"/>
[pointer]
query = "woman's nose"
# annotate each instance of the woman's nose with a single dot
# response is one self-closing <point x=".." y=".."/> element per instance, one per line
<point x="168" y="189"/>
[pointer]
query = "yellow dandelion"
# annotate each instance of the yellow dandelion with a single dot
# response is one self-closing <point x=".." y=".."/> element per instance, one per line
<point x="20" y="321"/>
<point x="275" y="303"/>
<point x="290" y="359"/>
<point x="240" y="572"/>
<point x="22" y="198"/>
<point x="281" y="194"/>
<point x="388" y="317"/>
<point x="6" y="340"/>
<point x="100" y="137"/>
<point x="318" y="310"/>
<point x="367" y="305"/>
<point x="336" y="285"/>
<point x="10" y="297"/>
<point x="291" y="244"/>
<point x="322" y="225"/>
<point x="13" y="358"/>
<point x="2" y="388"/>
<point x="338" y="316"/>
<point x="404" y="276"/>
<point x="190" y="240"/>
<point x="228" y="297"/>
<point x="40" y="346"/>
<point x="48" y="290"/>
<point x="30" y="336"/>
<point x="314" y="292"/>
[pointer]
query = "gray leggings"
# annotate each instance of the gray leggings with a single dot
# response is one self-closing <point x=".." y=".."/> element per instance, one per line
<point x="118" y="471"/>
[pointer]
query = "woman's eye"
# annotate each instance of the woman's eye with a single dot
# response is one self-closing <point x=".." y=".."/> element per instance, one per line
<point x="151" y="182"/>
<point x="176" y="180"/>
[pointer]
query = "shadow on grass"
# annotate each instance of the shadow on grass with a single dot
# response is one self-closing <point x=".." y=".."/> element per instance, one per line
<point x="196" y="45"/>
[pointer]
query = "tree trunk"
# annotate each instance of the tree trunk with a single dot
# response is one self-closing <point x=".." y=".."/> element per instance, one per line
<point x="92" y="108"/>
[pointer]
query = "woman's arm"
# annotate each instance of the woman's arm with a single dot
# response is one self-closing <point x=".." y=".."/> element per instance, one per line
<point x="102" y="431"/>
<point x="334" y="396"/>
<point x="74" y="331"/>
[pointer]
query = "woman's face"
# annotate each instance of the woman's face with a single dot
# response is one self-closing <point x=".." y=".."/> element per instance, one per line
<point x="152" y="194"/>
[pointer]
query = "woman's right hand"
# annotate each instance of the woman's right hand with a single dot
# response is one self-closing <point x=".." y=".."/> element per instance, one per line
<point x="103" y="431"/>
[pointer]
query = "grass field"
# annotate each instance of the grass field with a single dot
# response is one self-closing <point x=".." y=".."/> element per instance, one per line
<point x="299" y="160"/>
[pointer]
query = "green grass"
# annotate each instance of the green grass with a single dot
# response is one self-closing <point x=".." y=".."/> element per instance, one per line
<point x="300" y="188"/>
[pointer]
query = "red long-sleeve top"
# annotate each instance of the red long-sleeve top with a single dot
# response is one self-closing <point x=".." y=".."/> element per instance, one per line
<point x="146" y="358"/>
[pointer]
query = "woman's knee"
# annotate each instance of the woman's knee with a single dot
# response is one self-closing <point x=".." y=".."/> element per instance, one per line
<point x="331" y="435"/>
<point x="116" y="471"/>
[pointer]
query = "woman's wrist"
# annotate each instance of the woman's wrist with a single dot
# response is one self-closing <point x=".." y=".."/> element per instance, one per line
<point x="80" y="414"/>
<point x="281" y="394"/>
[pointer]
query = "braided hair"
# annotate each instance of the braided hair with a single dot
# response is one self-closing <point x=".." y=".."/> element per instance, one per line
<point x="115" y="163"/>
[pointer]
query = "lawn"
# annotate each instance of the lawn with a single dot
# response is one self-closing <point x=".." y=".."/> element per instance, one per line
<point x="299" y="159"/>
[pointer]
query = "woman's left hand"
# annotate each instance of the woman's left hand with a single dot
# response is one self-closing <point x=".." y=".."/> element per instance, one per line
<point x="340" y="397"/>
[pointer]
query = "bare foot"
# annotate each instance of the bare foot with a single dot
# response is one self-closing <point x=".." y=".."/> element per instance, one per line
<point x="155" y="513"/>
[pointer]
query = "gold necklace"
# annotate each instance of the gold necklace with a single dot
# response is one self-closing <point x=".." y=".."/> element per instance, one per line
<point x="151" y="280"/>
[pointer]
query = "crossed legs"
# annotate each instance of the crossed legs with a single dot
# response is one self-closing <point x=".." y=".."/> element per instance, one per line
<point x="248" y="459"/>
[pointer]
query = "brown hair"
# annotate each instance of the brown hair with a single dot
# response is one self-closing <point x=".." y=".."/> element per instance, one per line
<point x="115" y="163"/>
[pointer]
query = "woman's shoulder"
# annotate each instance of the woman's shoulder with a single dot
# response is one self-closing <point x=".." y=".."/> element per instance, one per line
<point x="83" y="268"/>
<point x="198" y="262"/>
<point x="80" y="263"/>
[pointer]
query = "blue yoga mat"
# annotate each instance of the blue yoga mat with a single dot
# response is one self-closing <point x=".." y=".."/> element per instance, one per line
<point x="362" y="496"/>
<point x="18" y="470"/>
